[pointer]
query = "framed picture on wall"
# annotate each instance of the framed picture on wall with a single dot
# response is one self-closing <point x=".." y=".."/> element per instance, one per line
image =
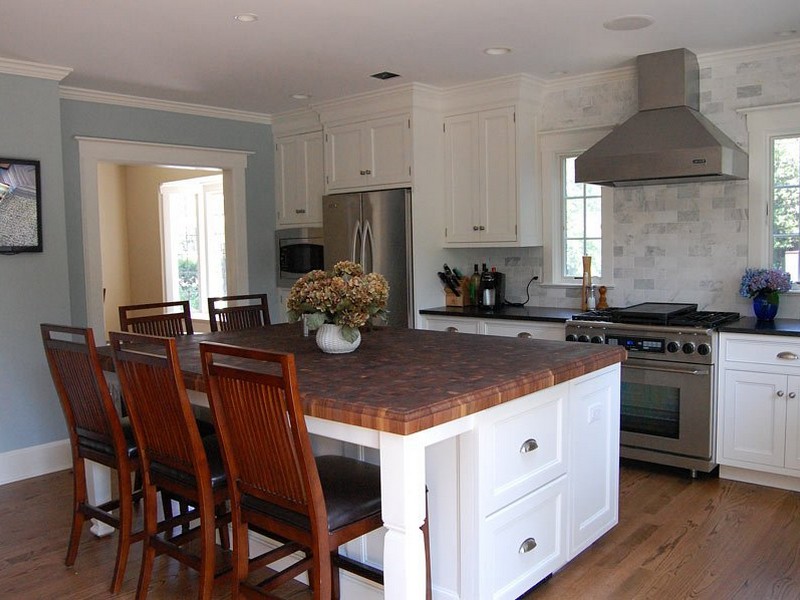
<point x="20" y="206"/>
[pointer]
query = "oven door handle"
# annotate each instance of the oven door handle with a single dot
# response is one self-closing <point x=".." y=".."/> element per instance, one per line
<point x="683" y="371"/>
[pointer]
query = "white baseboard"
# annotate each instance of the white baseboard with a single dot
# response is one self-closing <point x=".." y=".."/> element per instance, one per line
<point x="33" y="461"/>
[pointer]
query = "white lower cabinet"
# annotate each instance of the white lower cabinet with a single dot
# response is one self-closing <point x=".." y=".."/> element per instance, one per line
<point x="539" y="480"/>
<point x="540" y="330"/>
<point x="759" y="409"/>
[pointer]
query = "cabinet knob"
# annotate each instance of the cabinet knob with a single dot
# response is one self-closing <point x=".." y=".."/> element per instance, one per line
<point x="452" y="329"/>
<point x="527" y="546"/>
<point x="787" y="356"/>
<point x="779" y="393"/>
<point x="792" y="395"/>
<point x="528" y="446"/>
<point x="524" y="334"/>
<point x="363" y="172"/>
<point x="368" y="172"/>
<point x="474" y="228"/>
<point x="482" y="228"/>
<point x="300" y="211"/>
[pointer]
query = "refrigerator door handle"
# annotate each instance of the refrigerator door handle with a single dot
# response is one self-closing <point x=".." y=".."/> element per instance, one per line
<point x="366" y="244"/>
<point x="358" y="243"/>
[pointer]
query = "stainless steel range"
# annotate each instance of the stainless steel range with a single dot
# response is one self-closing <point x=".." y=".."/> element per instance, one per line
<point x="668" y="408"/>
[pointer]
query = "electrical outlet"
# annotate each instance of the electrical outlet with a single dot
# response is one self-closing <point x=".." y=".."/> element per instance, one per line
<point x="537" y="274"/>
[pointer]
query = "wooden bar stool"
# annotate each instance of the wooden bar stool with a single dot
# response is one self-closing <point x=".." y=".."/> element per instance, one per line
<point x="315" y="504"/>
<point x="239" y="312"/>
<point x="95" y="433"/>
<point x="174" y="456"/>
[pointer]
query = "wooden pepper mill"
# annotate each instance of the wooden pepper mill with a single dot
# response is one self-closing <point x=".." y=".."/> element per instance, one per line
<point x="601" y="301"/>
<point x="586" y="286"/>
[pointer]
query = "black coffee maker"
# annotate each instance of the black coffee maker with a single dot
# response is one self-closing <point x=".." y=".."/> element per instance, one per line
<point x="492" y="290"/>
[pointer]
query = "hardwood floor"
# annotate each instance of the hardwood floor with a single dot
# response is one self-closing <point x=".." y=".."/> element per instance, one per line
<point x="677" y="538"/>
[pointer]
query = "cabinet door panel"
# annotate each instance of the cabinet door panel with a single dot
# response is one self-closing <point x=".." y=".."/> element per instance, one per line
<point x="386" y="153"/>
<point x="313" y="179"/>
<point x="754" y="421"/>
<point x="793" y="424"/>
<point x="498" y="176"/>
<point x="344" y="157"/>
<point x="462" y="178"/>
<point x="286" y="179"/>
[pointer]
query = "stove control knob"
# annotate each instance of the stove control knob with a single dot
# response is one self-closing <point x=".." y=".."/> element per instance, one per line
<point x="597" y="339"/>
<point x="571" y="337"/>
<point x="688" y="348"/>
<point x="673" y="347"/>
<point x="583" y="338"/>
<point x="704" y="349"/>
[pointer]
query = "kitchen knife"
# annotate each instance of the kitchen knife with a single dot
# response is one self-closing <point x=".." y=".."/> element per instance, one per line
<point x="446" y="280"/>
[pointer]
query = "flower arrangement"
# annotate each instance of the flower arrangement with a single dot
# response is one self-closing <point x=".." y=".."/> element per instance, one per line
<point x="764" y="281"/>
<point x="345" y="296"/>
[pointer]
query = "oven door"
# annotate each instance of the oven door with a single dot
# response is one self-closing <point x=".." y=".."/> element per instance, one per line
<point x="667" y="407"/>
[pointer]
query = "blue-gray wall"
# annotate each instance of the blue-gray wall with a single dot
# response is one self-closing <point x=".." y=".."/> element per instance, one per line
<point x="34" y="288"/>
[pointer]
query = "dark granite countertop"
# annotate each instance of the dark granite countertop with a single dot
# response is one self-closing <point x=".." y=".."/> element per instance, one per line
<point x="788" y="327"/>
<point x="518" y="313"/>
<point x="406" y="380"/>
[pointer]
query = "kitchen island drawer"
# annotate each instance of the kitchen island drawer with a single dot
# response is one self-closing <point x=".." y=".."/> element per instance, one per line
<point x="525" y="449"/>
<point x="524" y="542"/>
<point x="761" y="350"/>
<point x="539" y="331"/>
<point x="454" y="325"/>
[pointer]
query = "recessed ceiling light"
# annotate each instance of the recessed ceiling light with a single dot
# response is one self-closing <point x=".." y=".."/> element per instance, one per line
<point x="246" y="17"/>
<point x="629" y="23"/>
<point x="498" y="51"/>
<point x="301" y="96"/>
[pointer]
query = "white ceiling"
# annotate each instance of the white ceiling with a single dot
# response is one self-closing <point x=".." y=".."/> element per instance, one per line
<point x="193" y="51"/>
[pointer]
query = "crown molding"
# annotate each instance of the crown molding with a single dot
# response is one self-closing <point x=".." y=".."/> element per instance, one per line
<point x="749" y="53"/>
<point x="597" y="78"/>
<point x="32" y="69"/>
<point x="84" y="95"/>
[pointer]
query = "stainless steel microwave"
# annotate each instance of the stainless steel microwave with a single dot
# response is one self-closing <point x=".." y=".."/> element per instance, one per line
<point x="299" y="251"/>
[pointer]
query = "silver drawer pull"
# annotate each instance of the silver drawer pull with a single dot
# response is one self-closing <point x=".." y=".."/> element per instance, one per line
<point x="300" y="211"/>
<point x="528" y="446"/>
<point x="452" y="329"/>
<point x="524" y="334"/>
<point x="527" y="546"/>
<point x="787" y="356"/>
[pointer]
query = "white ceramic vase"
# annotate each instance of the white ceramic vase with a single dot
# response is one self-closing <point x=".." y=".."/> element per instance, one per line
<point x="330" y="340"/>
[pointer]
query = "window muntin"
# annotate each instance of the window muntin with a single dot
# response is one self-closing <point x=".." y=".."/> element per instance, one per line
<point x="193" y="224"/>
<point x="582" y="222"/>
<point x="785" y="194"/>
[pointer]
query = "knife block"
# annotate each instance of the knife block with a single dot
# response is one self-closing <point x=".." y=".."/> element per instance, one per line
<point x="450" y="299"/>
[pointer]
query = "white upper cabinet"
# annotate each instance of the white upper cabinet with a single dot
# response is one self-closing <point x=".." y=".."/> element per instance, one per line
<point x="489" y="177"/>
<point x="480" y="177"/>
<point x="299" y="184"/>
<point x="368" y="154"/>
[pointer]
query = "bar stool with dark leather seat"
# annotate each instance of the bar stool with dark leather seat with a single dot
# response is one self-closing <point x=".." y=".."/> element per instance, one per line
<point x="276" y="483"/>
<point x="174" y="456"/>
<point x="96" y="433"/>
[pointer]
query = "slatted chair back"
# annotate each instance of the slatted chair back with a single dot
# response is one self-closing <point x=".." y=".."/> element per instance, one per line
<point x="156" y="397"/>
<point x="165" y="319"/>
<point x="259" y="419"/>
<point x="88" y="407"/>
<point x="232" y="313"/>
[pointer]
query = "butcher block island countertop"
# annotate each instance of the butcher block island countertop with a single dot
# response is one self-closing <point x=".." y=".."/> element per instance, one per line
<point x="405" y="380"/>
<point x="516" y="441"/>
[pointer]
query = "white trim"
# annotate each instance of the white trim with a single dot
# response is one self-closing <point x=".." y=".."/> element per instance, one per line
<point x="33" y="461"/>
<point x="32" y="69"/>
<point x="95" y="150"/>
<point x="84" y="95"/>
<point x="763" y="125"/>
<point x="766" y="107"/>
<point x="552" y="146"/>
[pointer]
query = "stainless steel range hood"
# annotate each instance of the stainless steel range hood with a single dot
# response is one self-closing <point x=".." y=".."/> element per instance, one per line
<point x="668" y="140"/>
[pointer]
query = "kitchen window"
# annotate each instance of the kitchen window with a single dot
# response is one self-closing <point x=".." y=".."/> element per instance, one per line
<point x="193" y="234"/>
<point x="578" y="217"/>
<point x="774" y="204"/>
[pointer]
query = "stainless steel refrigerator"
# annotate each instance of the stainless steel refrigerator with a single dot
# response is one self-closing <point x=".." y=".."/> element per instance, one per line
<point x="374" y="229"/>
